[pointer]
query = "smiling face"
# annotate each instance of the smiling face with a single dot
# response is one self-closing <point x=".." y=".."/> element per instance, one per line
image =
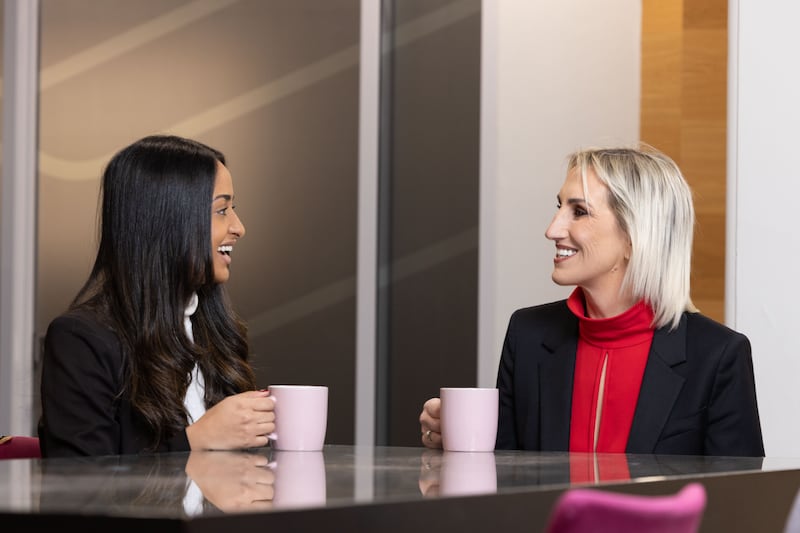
<point x="226" y="228"/>
<point x="592" y="251"/>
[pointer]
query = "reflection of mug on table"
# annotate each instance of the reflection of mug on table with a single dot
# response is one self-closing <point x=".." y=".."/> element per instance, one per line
<point x="299" y="479"/>
<point x="301" y="417"/>
<point x="467" y="473"/>
<point x="231" y="481"/>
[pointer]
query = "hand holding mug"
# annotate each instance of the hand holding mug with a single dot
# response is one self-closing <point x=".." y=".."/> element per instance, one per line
<point x="240" y="421"/>
<point x="430" y="423"/>
<point x="462" y="419"/>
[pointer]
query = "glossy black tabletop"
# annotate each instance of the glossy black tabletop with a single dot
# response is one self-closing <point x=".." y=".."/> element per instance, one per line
<point x="189" y="488"/>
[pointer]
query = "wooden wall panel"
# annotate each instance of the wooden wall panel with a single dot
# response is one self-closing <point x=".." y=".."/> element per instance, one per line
<point x="683" y="113"/>
<point x="662" y="33"/>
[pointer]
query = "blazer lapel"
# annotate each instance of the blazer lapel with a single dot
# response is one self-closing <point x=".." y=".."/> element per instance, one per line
<point x="556" y="376"/>
<point x="660" y="388"/>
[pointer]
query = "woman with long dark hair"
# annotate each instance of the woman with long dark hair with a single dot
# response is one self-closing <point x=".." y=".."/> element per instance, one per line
<point x="150" y="355"/>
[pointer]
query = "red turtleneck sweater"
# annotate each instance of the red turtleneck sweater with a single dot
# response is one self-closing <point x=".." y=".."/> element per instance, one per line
<point x="612" y="353"/>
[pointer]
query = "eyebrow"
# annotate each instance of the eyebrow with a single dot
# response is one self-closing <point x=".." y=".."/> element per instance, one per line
<point x="571" y="201"/>
<point x="226" y="197"/>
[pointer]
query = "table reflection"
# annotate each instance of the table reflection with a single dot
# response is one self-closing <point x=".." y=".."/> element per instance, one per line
<point x="460" y="473"/>
<point x="457" y="473"/>
<point x="230" y="481"/>
<point x="198" y="484"/>
<point x="380" y="488"/>
<point x="299" y="479"/>
<point x="169" y="485"/>
<point x="254" y="481"/>
<point x="596" y="468"/>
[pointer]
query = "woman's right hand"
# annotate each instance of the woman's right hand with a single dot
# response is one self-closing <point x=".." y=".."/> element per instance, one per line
<point x="430" y="425"/>
<point x="240" y="421"/>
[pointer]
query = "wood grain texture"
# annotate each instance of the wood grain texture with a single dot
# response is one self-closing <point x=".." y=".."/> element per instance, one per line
<point x="684" y="114"/>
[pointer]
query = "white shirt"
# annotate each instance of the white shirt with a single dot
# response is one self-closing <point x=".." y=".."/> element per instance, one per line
<point x="193" y="401"/>
<point x="195" y="405"/>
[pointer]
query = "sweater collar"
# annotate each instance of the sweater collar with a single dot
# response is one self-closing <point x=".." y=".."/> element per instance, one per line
<point x="628" y="328"/>
<point x="191" y="307"/>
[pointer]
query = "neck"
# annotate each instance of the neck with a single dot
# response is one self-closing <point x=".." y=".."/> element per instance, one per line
<point x="605" y="304"/>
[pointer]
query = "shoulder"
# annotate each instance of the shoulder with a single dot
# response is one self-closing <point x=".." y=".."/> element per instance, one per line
<point x="81" y="358"/>
<point x="83" y="327"/>
<point x="79" y="320"/>
<point x="705" y="330"/>
<point x="543" y="314"/>
<point x="551" y="321"/>
<point x="707" y="342"/>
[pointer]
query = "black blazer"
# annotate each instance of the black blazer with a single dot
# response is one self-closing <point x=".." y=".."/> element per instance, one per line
<point x="82" y="410"/>
<point x="698" y="393"/>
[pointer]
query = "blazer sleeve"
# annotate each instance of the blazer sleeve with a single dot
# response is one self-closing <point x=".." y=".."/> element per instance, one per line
<point x="81" y="376"/>
<point x="506" y="425"/>
<point x="734" y="428"/>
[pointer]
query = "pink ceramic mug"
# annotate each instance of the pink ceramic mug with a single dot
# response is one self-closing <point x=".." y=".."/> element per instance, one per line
<point x="301" y="417"/>
<point x="469" y="418"/>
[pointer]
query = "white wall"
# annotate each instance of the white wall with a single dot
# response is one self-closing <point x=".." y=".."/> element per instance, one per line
<point x="762" y="293"/>
<point x="556" y="76"/>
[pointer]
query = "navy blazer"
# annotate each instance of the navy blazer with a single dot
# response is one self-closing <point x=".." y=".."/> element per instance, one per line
<point x="83" y="412"/>
<point x="698" y="394"/>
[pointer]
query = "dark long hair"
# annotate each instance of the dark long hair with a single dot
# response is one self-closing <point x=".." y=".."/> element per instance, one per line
<point x="154" y="253"/>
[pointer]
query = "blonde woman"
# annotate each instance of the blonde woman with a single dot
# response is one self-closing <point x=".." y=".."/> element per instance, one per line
<point x="626" y="363"/>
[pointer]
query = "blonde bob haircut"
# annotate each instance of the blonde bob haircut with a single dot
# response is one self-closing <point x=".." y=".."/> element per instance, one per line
<point x="653" y="206"/>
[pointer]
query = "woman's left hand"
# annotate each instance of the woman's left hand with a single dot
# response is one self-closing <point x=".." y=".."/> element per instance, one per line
<point x="240" y="421"/>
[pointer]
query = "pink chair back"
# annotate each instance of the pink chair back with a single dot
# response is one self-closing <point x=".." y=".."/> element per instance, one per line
<point x="17" y="447"/>
<point x="583" y="510"/>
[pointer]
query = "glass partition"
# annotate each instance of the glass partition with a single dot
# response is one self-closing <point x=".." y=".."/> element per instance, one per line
<point x="429" y="188"/>
<point x="273" y="85"/>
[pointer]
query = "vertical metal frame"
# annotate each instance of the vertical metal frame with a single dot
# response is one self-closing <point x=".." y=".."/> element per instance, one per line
<point x="367" y="266"/>
<point x="383" y="301"/>
<point x="18" y="240"/>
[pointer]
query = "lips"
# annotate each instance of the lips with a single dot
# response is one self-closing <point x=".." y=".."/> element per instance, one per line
<point x="224" y="251"/>
<point x="563" y="253"/>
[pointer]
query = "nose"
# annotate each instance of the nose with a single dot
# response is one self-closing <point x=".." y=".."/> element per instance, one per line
<point x="557" y="228"/>
<point x="236" y="227"/>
